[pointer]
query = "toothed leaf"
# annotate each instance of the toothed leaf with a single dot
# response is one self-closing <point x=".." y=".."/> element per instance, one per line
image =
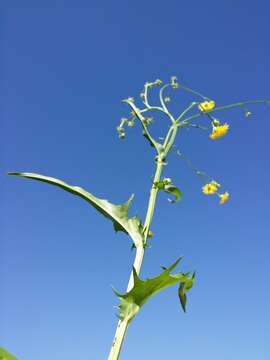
<point x="118" y="214"/>
<point x="132" y="301"/>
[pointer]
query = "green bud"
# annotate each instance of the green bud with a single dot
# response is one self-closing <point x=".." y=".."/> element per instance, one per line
<point x="174" y="83"/>
<point x="130" y="123"/>
<point x="121" y="132"/>
<point x="122" y="135"/>
<point x="148" y="85"/>
<point x="167" y="181"/>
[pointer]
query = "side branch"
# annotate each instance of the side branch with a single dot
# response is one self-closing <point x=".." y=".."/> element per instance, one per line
<point x="240" y="104"/>
<point x="142" y="120"/>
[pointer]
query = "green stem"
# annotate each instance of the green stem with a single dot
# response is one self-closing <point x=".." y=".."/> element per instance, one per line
<point x="142" y="120"/>
<point x="123" y="324"/>
<point x="167" y="137"/>
<point x="161" y="99"/>
<point x="152" y="198"/>
<point x="191" y="106"/>
<point x="171" y="141"/>
<point x="193" y="92"/>
<point x="240" y="104"/>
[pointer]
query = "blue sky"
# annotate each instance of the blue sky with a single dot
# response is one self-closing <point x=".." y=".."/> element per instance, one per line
<point x="66" y="66"/>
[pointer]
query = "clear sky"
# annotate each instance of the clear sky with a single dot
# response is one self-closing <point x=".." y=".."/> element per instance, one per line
<point x="65" y="67"/>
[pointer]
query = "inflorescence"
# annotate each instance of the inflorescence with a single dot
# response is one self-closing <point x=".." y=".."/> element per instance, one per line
<point x="205" y="106"/>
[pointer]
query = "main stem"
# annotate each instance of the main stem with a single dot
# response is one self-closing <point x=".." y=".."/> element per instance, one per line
<point x="123" y="324"/>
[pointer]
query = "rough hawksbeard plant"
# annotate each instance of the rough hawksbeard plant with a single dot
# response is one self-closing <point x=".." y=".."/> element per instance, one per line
<point x="201" y="114"/>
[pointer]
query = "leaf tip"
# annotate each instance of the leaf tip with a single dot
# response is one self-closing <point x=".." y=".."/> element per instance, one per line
<point x="175" y="263"/>
<point x="117" y="293"/>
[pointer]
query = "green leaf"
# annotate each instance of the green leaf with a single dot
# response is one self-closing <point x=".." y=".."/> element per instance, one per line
<point x="132" y="301"/>
<point x="167" y="186"/>
<point x="118" y="214"/>
<point x="172" y="189"/>
<point x="4" y="355"/>
<point x="183" y="289"/>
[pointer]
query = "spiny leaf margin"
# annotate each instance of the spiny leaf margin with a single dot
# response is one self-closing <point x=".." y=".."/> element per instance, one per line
<point x="133" y="300"/>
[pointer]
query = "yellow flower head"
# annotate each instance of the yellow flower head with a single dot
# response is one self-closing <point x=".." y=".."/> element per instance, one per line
<point x="224" y="197"/>
<point x="210" y="188"/>
<point x="219" y="131"/>
<point x="206" y="106"/>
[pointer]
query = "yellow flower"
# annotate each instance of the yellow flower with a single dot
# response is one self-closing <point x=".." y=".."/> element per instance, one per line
<point x="219" y="131"/>
<point x="210" y="188"/>
<point x="206" y="106"/>
<point x="224" y="197"/>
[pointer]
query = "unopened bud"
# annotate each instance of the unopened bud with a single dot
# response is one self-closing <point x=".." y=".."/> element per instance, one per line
<point x="167" y="181"/>
<point x="148" y="85"/>
<point x="122" y="135"/>
<point x="130" y="123"/>
<point x="121" y="132"/>
<point x="174" y="83"/>
<point x="158" y="82"/>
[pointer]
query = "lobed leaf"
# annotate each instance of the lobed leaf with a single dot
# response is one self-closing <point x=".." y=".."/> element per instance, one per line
<point x="132" y="301"/>
<point x="118" y="214"/>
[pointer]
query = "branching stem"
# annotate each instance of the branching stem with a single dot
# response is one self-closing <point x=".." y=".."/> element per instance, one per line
<point x="142" y="120"/>
<point x="162" y="152"/>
